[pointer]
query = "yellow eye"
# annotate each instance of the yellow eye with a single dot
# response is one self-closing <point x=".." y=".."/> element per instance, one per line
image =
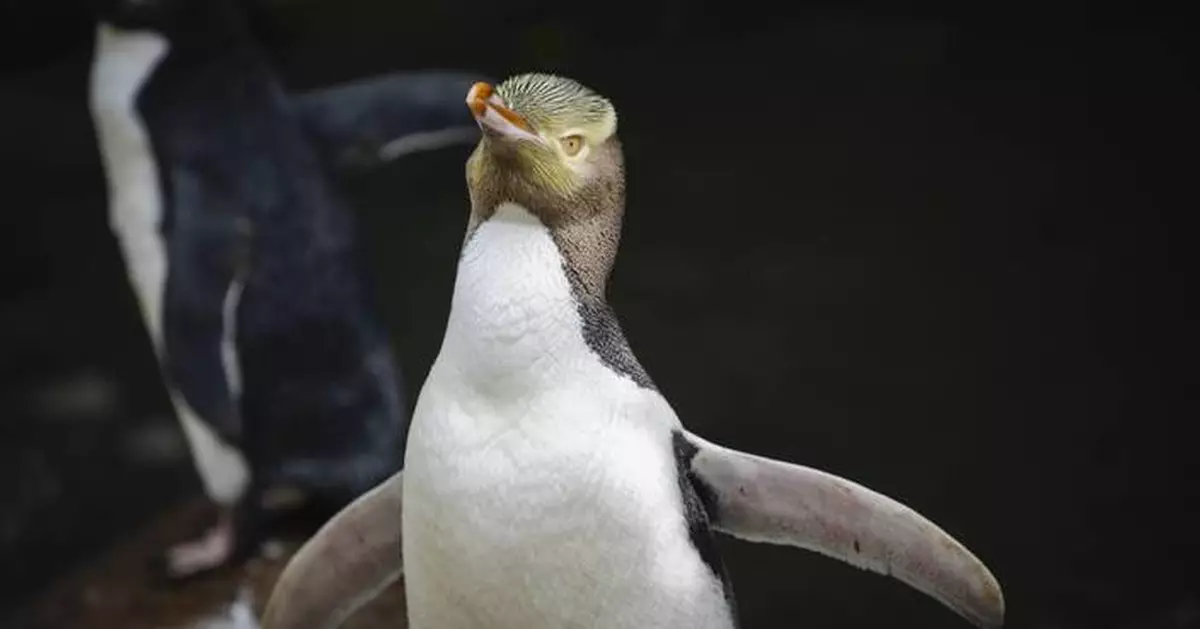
<point x="572" y="144"/>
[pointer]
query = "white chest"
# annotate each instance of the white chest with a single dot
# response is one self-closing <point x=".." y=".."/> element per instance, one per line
<point x="540" y="486"/>
<point x="123" y="62"/>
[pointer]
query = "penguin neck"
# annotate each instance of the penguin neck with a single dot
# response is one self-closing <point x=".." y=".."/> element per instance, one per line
<point x="514" y="321"/>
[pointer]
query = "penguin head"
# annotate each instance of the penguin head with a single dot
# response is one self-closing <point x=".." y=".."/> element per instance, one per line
<point x="549" y="144"/>
<point x="183" y="23"/>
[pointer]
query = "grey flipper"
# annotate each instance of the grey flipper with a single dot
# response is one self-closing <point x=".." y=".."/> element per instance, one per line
<point x="372" y="121"/>
<point x="358" y="553"/>
<point x="762" y="500"/>
<point x="346" y="564"/>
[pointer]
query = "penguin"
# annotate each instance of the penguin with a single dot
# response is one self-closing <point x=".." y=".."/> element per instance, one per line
<point x="547" y="482"/>
<point x="243" y="254"/>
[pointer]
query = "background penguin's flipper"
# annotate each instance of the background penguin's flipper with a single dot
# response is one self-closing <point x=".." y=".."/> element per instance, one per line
<point x="346" y="564"/>
<point x="200" y="300"/>
<point x="206" y="240"/>
<point x="372" y="121"/>
<point x="763" y="500"/>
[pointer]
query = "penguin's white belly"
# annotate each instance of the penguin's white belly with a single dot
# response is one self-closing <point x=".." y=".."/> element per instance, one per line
<point x="573" y="519"/>
<point x="540" y="487"/>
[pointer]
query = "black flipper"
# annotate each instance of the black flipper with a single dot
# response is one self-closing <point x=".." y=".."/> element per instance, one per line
<point x="372" y="121"/>
<point x="206" y="242"/>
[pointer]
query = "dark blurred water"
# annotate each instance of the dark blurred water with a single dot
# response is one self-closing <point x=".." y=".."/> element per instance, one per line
<point x="933" y="254"/>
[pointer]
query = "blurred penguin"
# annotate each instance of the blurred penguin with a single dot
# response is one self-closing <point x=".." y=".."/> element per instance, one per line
<point x="244" y="257"/>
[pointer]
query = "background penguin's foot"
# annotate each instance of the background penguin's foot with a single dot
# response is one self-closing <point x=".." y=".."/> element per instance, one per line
<point x="212" y="550"/>
<point x="112" y="589"/>
<point x="234" y="535"/>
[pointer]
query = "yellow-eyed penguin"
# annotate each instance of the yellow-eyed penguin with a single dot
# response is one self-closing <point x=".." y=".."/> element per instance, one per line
<point x="547" y="482"/>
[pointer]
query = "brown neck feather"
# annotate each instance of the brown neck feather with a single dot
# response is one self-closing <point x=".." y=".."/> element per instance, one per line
<point x="585" y="223"/>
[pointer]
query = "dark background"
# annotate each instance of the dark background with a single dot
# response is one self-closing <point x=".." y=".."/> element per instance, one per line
<point x="936" y="249"/>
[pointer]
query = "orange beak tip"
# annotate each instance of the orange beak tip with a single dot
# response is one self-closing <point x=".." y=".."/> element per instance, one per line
<point x="490" y="112"/>
<point x="477" y="98"/>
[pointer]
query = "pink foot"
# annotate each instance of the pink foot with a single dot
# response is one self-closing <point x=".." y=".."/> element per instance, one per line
<point x="210" y="550"/>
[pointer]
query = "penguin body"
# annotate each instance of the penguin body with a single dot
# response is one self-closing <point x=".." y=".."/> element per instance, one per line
<point x="529" y="456"/>
<point x="138" y="214"/>
<point x="547" y="483"/>
<point x="243" y="253"/>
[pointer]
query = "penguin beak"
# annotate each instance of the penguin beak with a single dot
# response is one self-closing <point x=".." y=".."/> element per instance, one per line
<point x="496" y="119"/>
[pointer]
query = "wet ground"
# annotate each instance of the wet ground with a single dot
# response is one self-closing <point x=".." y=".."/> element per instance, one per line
<point x="936" y="259"/>
<point x="116" y="590"/>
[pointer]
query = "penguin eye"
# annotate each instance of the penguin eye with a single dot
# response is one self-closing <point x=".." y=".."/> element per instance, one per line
<point x="572" y="144"/>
